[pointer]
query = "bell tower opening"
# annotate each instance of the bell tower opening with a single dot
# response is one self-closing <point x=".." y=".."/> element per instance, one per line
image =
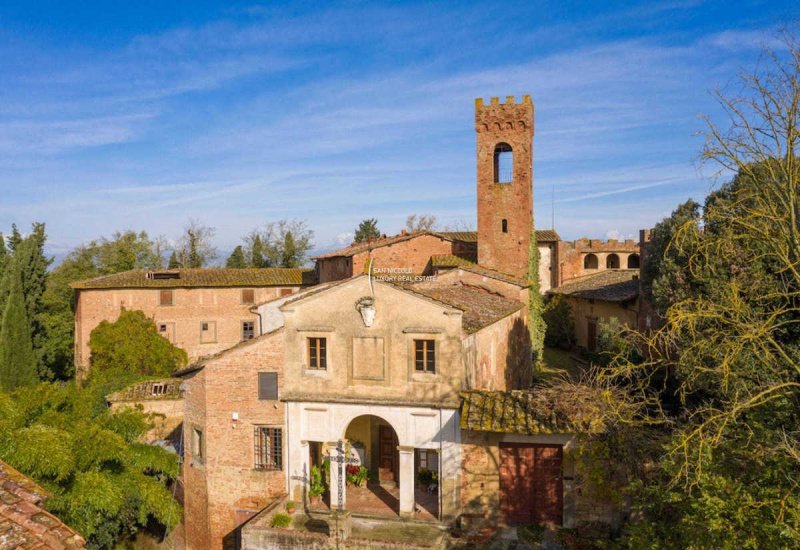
<point x="504" y="134"/>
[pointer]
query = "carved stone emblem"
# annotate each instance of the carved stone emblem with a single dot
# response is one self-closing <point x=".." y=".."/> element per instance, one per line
<point x="366" y="307"/>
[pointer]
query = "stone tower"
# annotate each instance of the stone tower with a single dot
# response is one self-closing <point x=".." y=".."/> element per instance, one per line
<point x="505" y="183"/>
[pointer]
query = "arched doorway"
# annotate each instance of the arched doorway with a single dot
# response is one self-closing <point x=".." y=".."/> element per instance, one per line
<point x="373" y="442"/>
<point x="633" y="261"/>
<point x="590" y="262"/>
<point x="612" y="261"/>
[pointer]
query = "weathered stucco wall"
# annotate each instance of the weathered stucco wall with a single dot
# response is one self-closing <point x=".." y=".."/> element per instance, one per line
<point x="584" y="311"/>
<point x="499" y="356"/>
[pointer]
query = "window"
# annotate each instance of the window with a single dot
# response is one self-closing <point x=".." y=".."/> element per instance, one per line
<point x="248" y="296"/>
<point x="503" y="163"/>
<point x="590" y="262"/>
<point x="633" y="261"/>
<point x="286" y="291"/>
<point x="162" y="327"/>
<point x="198" y="446"/>
<point x="317" y="358"/>
<point x="248" y="330"/>
<point x="425" y="356"/>
<point x="165" y="298"/>
<point x="504" y="226"/>
<point x="612" y="261"/>
<point x="208" y="332"/>
<point x="268" y="448"/>
<point x="268" y="386"/>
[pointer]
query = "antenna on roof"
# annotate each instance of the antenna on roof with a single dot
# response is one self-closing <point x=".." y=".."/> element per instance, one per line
<point x="553" y="206"/>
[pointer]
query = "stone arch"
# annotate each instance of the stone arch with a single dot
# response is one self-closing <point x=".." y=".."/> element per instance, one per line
<point x="590" y="261"/>
<point x="612" y="261"/>
<point x="633" y="261"/>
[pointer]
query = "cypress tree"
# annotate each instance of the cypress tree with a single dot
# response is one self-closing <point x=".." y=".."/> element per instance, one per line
<point x="536" y="326"/>
<point x="17" y="359"/>
<point x="173" y="261"/>
<point x="236" y="259"/>
<point x="258" y="253"/>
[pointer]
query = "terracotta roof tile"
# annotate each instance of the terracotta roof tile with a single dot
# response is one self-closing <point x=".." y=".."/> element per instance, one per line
<point x="194" y="278"/>
<point x="613" y="285"/>
<point x="547" y="236"/>
<point x="23" y="523"/>
<point x="481" y="307"/>
<point x="535" y="411"/>
<point x="150" y="390"/>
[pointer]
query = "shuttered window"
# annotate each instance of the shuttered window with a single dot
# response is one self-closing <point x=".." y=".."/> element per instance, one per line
<point x="165" y="298"/>
<point x="268" y="385"/>
<point x="248" y="296"/>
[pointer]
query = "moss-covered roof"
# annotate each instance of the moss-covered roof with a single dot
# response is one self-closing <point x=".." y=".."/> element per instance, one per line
<point x="150" y="390"/>
<point x="612" y="285"/>
<point x="570" y="408"/>
<point x="201" y="278"/>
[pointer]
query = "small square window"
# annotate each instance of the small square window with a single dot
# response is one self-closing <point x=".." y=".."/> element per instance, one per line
<point x="162" y="327"/>
<point x="286" y="291"/>
<point x="317" y="354"/>
<point x="425" y="356"/>
<point x="165" y="298"/>
<point x="248" y="330"/>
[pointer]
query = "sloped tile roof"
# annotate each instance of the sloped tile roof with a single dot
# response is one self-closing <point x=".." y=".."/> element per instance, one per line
<point x="202" y="278"/>
<point x="542" y="235"/>
<point x="358" y="248"/>
<point x="534" y="411"/>
<point x="448" y="260"/>
<point x="481" y="307"/>
<point x="612" y="285"/>
<point x="23" y="523"/>
<point x="150" y="390"/>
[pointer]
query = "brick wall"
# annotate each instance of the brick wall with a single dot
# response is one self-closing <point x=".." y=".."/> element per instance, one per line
<point x="226" y="487"/>
<point x="413" y="254"/>
<point x="512" y="124"/>
<point x="191" y="307"/>
<point x="571" y="256"/>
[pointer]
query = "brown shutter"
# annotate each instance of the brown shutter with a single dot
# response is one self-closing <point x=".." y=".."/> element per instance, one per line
<point x="268" y="385"/>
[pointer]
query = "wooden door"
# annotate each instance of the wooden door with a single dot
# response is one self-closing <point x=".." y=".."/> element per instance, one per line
<point x="387" y="454"/>
<point x="591" y="335"/>
<point x="531" y="489"/>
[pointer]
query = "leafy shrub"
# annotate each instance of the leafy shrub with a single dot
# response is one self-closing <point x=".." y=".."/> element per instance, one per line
<point x="280" y="520"/>
<point x="560" y="331"/>
<point x="316" y="488"/>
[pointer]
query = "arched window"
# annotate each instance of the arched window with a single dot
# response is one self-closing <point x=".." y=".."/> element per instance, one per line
<point x="503" y="163"/>
<point x="590" y="262"/>
<point x="633" y="261"/>
<point x="612" y="261"/>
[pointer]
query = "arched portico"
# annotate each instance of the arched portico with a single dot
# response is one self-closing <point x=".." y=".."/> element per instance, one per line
<point x="421" y="434"/>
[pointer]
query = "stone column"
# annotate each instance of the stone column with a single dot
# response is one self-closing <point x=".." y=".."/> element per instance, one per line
<point x="406" y="468"/>
<point x="336" y="458"/>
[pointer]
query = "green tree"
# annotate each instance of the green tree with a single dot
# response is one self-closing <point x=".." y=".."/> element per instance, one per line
<point x="132" y="343"/>
<point x="557" y="316"/>
<point x="536" y="325"/>
<point x="17" y="358"/>
<point x="236" y="259"/>
<point x="121" y="252"/>
<point x="257" y="258"/>
<point x="729" y="342"/>
<point x="367" y="229"/>
<point x="103" y="480"/>
<point x="173" y="261"/>
<point x="195" y="248"/>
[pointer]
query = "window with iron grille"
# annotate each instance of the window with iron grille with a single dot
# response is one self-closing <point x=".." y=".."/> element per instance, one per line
<point x="165" y="298"/>
<point x="425" y="355"/>
<point x="248" y="330"/>
<point x="503" y="163"/>
<point x="317" y="356"/>
<point x="268" y="448"/>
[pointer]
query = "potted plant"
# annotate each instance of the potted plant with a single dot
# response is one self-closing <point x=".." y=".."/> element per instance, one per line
<point x="290" y="507"/>
<point x="356" y="475"/>
<point x="316" y="487"/>
<point x="424" y="477"/>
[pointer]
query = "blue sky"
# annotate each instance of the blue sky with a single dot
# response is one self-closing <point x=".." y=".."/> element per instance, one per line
<point x="142" y="116"/>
